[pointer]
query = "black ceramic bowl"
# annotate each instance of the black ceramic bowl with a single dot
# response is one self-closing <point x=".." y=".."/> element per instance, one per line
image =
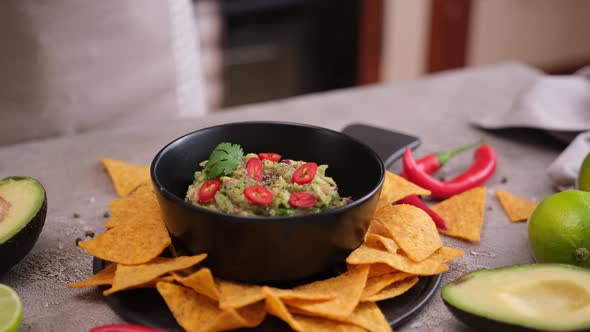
<point x="273" y="250"/>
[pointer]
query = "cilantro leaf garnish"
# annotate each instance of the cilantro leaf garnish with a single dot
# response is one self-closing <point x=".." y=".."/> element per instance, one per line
<point x="223" y="160"/>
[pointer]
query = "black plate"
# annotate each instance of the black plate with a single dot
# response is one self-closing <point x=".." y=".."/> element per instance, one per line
<point x="146" y="307"/>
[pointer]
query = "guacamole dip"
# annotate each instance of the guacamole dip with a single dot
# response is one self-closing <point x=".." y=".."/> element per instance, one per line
<point x="262" y="184"/>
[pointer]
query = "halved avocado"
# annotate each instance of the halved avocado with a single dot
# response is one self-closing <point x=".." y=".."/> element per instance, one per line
<point x="23" y="208"/>
<point x="533" y="297"/>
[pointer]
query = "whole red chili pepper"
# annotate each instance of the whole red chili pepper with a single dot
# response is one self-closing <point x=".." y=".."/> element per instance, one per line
<point x="483" y="167"/>
<point x="430" y="164"/>
<point x="434" y="161"/>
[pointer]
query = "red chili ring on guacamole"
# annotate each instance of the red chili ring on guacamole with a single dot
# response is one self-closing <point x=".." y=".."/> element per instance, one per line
<point x="305" y="173"/>
<point x="254" y="168"/>
<point x="302" y="200"/>
<point x="208" y="190"/>
<point x="270" y="156"/>
<point x="258" y="195"/>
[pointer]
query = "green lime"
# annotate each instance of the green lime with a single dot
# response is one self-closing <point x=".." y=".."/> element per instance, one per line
<point x="584" y="174"/>
<point x="559" y="229"/>
<point x="11" y="310"/>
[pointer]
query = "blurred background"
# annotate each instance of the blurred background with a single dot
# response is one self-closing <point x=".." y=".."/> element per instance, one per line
<point x="69" y="66"/>
<point x="294" y="47"/>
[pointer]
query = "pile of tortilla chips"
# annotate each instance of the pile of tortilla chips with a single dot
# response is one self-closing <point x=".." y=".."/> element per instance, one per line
<point x="401" y="245"/>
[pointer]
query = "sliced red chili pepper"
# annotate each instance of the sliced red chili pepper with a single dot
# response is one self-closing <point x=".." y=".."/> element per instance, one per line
<point x="208" y="190"/>
<point x="270" y="156"/>
<point x="258" y="195"/>
<point x="254" y="168"/>
<point x="302" y="200"/>
<point x="305" y="173"/>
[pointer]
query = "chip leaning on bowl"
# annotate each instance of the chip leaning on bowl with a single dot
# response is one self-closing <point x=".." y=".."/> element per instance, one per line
<point x="262" y="184"/>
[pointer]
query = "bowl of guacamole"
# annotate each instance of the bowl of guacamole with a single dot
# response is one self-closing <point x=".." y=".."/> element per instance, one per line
<point x="269" y="202"/>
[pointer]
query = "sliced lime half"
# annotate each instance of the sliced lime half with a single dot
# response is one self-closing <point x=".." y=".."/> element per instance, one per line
<point x="11" y="310"/>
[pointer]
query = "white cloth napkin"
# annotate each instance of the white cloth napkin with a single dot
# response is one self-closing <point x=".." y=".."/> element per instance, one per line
<point x="559" y="105"/>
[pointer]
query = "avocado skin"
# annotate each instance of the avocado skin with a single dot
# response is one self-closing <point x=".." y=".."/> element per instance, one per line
<point x="479" y="323"/>
<point x="15" y="249"/>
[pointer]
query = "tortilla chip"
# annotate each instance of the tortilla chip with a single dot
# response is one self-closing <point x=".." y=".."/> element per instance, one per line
<point x="126" y="177"/>
<point x="412" y="229"/>
<point x="396" y="187"/>
<point x="464" y="214"/>
<point x="381" y="242"/>
<point x="446" y="254"/>
<point x="195" y="312"/>
<point x="364" y="255"/>
<point x="103" y="277"/>
<point x="375" y="227"/>
<point x="379" y="269"/>
<point x="368" y="316"/>
<point x="343" y="302"/>
<point x="393" y="290"/>
<point x="139" y="240"/>
<point x="142" y="201"/>
<point x="276" y="307"/>
<point x="237" y="295"/>
<point x="516" y="208"/>
<point x="249" y="316"/>
<point x="129" y="276"/>
<point x="202" y="282"/>
<point x="375" y="284"/>
<point x="314" y="324"/>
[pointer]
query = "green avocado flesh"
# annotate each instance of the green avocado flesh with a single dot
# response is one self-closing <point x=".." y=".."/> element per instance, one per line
<point x="25" y="197"/>
<point x="552" y="297"/>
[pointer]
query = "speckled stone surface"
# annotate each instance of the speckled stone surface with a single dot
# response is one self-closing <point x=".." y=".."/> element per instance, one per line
<point x="437" y="109"/>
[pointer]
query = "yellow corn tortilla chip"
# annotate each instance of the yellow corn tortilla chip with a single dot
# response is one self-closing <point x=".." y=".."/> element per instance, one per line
<point x="375" y="284"/>
<point x="396" y="187"/>
<point x="129" y="276"/>
<point x="381" y="242"/>
<point x="139" y="240"/>
<point x="126" y="177"/>
<point x="464" y="214"/>
<point x="346" y="290"/>
<point x="364" y="255"/>
<point x="516" y="208"/>
<point x="375" y="227"/>
<point x="142" y="200"/>
<point x="412" y="229"/>
<point x="276" y="307"/>
<point x="231" y="319"/>
<point x="195" y="312"/>
<point x="368" y="316"/>
<point x="446" y="254"/>
<point x="379" y="269"/>
<point x="202" y="282"/>
<point x="314" y="324"/>
<point x="154" y="282"/>
<point x="237" y="295"/>
<point x="393" y="290"/>
<point x="103" y="277"/>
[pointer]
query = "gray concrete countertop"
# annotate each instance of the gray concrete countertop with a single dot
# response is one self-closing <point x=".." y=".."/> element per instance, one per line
<point x="437" y="109"/>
